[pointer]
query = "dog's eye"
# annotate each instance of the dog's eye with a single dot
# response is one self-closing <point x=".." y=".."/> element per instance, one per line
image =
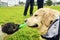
<point x="51" y="22"/>
<point x="35" y="15"/>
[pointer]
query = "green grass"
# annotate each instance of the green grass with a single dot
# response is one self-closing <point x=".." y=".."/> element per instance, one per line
<point x="25" y="34"/>
<point x="15" y="14"/>
<point x="54" y="7"/>
<point x="12" y="14"/>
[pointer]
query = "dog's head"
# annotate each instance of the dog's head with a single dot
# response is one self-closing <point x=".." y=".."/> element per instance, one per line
<point x="10" y="28"/>
<point x="41" y="19"/>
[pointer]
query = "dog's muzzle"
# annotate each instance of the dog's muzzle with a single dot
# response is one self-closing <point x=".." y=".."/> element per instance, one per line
<point x="36" y="25"/>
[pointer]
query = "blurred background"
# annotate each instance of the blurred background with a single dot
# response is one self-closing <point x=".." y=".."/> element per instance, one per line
<point x="22" y="2"/>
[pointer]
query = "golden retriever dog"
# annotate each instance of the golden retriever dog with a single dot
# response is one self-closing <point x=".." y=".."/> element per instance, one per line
<point x="42" y="19"/>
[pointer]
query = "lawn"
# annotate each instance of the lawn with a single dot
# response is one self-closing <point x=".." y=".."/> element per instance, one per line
<point x="15" y="14"/>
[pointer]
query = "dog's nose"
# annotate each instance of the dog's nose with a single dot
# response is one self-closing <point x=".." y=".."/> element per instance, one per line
<point x="26" y="20"/>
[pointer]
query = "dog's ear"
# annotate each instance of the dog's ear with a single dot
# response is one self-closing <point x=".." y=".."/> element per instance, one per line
<point x="48" y="18"/>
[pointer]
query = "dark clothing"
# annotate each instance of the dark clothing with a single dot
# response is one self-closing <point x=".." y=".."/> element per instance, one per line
<point x="40" y="3"/>
<point x="31" y="4"/>
<point x="54" y="38"/>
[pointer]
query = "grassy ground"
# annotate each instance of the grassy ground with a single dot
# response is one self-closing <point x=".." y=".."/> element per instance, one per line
<point x="54" y="7"/>
<point x="15" y="14"/>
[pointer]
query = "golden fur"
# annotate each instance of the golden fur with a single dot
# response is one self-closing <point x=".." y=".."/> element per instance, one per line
<point x="43" y="17"/>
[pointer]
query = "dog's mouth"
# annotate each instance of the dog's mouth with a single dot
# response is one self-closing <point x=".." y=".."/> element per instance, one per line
<point x="36" y="25"/>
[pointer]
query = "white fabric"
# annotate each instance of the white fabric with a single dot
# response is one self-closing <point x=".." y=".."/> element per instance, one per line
<point x="53" y="30"/>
